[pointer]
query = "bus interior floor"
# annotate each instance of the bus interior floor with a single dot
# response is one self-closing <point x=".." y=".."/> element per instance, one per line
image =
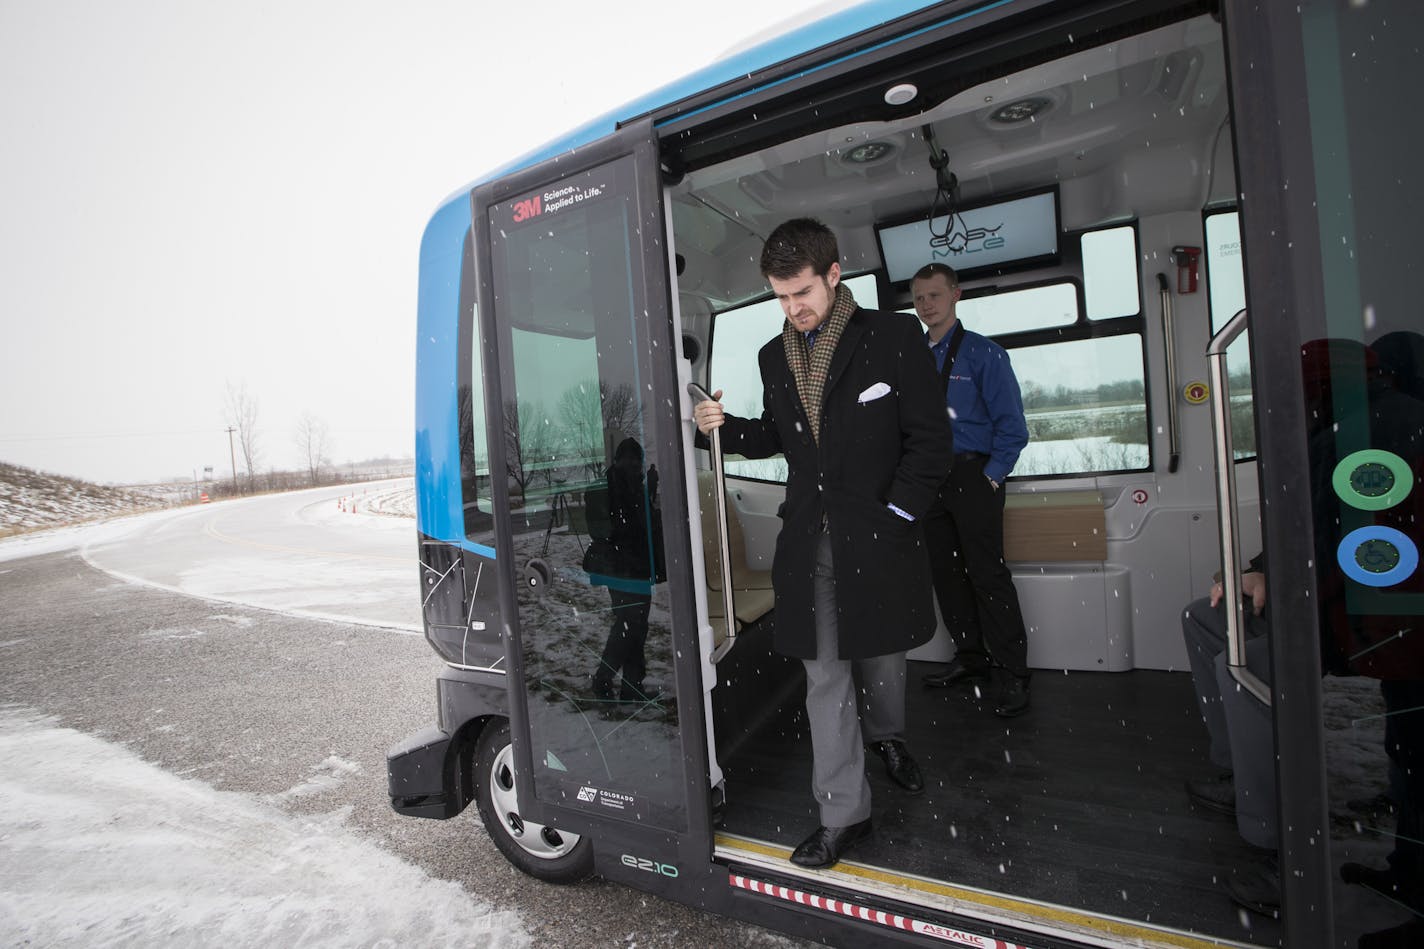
<point x="1079" y="803"/>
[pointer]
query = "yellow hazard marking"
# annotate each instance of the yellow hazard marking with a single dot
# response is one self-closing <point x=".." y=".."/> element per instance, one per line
<point x="1067" y="918"/>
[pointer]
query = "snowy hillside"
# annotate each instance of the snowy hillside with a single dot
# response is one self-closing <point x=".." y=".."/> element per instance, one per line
<point x="31" y="499"/>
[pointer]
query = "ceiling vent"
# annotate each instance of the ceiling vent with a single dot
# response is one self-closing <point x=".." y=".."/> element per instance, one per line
<point x="868" y="153"/>
<point x="1020" y="111"/>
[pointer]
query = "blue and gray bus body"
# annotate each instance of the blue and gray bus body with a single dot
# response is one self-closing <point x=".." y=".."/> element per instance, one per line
<point x="1130" y="174"/>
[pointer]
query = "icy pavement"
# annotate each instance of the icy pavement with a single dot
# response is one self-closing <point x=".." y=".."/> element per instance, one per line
<point x="321" y="553"/>
<point x="56" y="539"/>
<point x="103" y="848"/>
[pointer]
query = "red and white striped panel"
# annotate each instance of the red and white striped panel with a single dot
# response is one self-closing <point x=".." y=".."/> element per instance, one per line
<point x="935" y="930"/>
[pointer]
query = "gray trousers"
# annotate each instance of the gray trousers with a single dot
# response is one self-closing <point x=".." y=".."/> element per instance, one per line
<point x="1238" y="725"/>
<point x="847" y="702"/>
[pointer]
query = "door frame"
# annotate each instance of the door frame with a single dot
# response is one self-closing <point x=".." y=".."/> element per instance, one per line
<point x="1266" y="77"/>
<point x="693" y="844"/>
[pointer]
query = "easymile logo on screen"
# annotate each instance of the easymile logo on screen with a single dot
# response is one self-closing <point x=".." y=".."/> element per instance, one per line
<point x="962" y="239"/>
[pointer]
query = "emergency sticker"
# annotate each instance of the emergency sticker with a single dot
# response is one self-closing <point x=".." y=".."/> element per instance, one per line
<point x="1196" y="392"/>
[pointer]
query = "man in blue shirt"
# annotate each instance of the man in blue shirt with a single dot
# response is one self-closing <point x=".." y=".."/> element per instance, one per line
<point x="964" y="531"/>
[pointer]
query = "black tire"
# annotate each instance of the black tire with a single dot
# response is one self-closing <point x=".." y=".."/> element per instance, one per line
<point x="542" y="852"/>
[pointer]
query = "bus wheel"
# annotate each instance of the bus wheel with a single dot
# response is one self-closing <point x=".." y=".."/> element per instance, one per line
<point x="543" y="852"/>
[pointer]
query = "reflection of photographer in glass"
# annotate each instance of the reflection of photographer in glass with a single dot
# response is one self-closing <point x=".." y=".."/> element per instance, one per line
<point x="1372" y="612"/>
<point x="626" y="555"/>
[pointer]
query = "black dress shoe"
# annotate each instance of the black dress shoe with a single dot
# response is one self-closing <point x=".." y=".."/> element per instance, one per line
<point x="956" y="672"/>
<point x="1408" y="935"/>
<point x="1257" y="887"/>
<point x="899" y="765"/>
<point x="1214" y="794"/>
<point x="1013" y="697"/>
<point x="826" y="844"/>
<point x="1383" y="882"/>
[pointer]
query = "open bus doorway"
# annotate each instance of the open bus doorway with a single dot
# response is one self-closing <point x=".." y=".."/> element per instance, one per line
<point x="1079" y="809"/>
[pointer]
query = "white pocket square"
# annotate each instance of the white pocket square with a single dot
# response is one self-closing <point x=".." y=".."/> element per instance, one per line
<point x="879" y="390"/>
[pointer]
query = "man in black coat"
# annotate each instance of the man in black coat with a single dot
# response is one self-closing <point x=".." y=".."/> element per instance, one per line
<point x="852" y="400"/>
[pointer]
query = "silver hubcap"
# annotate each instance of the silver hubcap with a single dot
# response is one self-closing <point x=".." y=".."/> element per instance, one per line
<point x="546" y="843"/>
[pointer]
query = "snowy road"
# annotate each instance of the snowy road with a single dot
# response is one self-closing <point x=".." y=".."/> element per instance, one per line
<point x="176" y="771"/>
<point x="305" y="553"/>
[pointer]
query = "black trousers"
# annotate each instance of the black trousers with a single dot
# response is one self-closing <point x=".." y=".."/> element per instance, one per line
<point x="1404" y="743"/>
<point x="965" y="535"/>
<point x="624" y="649"/>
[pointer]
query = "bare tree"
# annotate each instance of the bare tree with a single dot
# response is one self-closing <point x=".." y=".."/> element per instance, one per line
<point x="581" y="426"/>
<point x="528" y="443"/>
<point x="592" y="418"/>
<point x="620" y="409"/>
<point x="242" y="415"/>
<point x="314" y="442"/>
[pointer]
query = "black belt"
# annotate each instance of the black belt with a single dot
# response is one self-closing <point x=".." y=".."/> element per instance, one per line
<point x="970" y="456"/>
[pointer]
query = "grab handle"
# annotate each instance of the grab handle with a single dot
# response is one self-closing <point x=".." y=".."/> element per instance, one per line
<point x="724" y="542"/>
<point x="1225" y="458"/>
<point x="1169" y="342"/>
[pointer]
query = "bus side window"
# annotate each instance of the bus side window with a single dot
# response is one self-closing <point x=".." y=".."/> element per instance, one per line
<point x="1226" y="287"/>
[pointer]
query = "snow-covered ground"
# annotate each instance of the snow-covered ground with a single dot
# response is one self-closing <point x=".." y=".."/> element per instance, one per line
<point x="98" y="847"/>
<point x="398" y="501"/>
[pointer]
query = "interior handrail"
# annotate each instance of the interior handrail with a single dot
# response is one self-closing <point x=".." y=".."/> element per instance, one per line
<point x="724" y="541"/>
<point x="1224" y="451"/>
<point x="1169" y="342"/>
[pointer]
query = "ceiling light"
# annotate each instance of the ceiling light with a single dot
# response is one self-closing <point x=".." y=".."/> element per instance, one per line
<point x="1021" y="110"/>
<point x="868" y="153"/>
<point x="901" y="94"/>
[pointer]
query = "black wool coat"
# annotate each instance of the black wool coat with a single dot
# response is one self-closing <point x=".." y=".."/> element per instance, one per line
<point x="885" y="439"/>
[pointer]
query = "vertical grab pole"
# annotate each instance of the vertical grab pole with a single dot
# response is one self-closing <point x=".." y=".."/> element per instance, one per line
<point x="724" y="542"/>
<point x="1225" y="457"/>
<point x="1169" y="343"/>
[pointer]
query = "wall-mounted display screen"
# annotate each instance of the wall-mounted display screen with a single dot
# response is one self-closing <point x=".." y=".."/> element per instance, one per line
<point x="974" y="239"/>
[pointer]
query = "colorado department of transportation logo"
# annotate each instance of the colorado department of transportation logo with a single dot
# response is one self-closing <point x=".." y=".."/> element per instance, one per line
<point x="615" y="800"/>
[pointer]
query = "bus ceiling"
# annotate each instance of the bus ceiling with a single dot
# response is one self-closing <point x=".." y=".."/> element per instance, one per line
<point x="1125" y="127"/>
<point x="847" y="83"/>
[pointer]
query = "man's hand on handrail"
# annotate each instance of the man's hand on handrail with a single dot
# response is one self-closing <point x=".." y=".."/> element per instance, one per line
<point x="708" y="415"/>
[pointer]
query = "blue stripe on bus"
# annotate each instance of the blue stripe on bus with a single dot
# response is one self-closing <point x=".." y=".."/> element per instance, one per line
<point x="438" y="500"/>
<point x="478" y="549"/>
<point x="849" y="56"/>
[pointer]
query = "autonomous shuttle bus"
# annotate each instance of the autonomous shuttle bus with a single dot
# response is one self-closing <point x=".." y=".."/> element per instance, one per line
<point x="1189" y="224"/>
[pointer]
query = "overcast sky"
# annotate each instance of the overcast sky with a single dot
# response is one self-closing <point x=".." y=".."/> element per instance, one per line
<point x="196" y="193"/>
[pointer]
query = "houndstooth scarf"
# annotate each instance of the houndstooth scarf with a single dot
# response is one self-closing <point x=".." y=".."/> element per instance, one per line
<point x="809" y="365"/>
